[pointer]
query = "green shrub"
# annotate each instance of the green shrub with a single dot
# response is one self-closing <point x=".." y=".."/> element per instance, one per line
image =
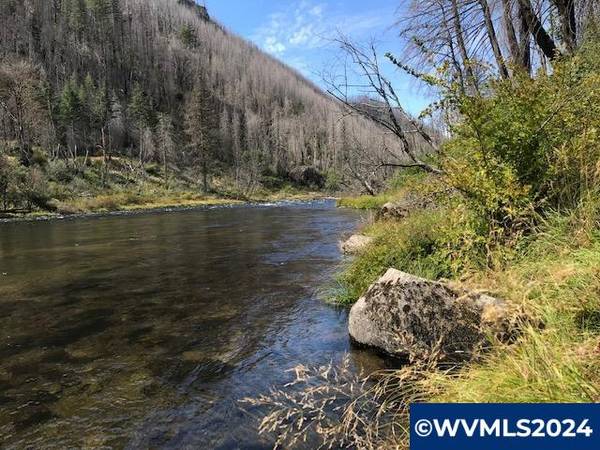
<point x="34" y="190"/>
<point x="39" y="157"/>
<point x="528" y="145"/>
<point x="413" y="245"/>
<point x="333" y="181"/>
<point x="58" y="170"/>
<point x="365" y="201"/>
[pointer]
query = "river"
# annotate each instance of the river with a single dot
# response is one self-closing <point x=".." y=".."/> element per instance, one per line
<point x="145" y="330"/>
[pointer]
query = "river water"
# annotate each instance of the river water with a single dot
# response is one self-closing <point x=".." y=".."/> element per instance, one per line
<point x="145" y="331"/>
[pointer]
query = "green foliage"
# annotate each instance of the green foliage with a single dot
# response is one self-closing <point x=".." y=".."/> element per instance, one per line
<point x="21" y="187"/>
<point x="188" y="36"/>
<point x="39" y="157"/>
<point x="69" y="103"/>
<point x="102" y="9"/>
<point x="333" y="181"/>
<point x="365" y="201"/>
<point x="58" y="171"/>
<point x="413" y="245"/>
<point x="7" y="180"/>
<point x="75" y="13"/>
<point x="528" y="145"/>
<point x="34" y="188"/>
<point x="141" y="109"/>
<point x="556" y="280"/>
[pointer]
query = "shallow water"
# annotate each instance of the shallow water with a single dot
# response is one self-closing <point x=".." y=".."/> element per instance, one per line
<point x="145" y="331"/>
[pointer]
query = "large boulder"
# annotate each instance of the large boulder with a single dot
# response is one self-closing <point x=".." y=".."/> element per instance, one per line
<point x="417" y="319"/>
<point x="399" y="209"/>
<point x="355" y="244"/>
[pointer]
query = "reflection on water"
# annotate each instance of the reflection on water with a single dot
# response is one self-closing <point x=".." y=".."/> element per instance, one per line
<point x="144" y="331"/>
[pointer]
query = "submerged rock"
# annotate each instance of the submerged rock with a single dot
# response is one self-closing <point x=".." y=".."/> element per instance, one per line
<point x="417" y="319"/>
<point x="355" y="244"/>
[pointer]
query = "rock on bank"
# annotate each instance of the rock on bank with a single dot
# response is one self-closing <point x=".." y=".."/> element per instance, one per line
<point x="417" y="319"/>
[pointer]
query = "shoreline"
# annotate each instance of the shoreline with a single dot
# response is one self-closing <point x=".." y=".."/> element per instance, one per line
<point x="127" y="210"/>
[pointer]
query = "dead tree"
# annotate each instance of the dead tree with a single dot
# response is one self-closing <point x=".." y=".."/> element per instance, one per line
<point x="380" y="103"/>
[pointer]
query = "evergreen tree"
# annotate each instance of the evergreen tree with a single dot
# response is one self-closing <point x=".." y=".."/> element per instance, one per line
<point x="142" y="113"/>
<point x="165" y="136"/>
<point x="69" y="112"/>
<point x="201" y="130"/>
<point x="187" y="36"/>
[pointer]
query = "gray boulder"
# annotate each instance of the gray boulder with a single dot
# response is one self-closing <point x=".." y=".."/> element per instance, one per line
<point x="417" y="319"/>
<point x="399" y="209"/>
<point x="355" y="244"/>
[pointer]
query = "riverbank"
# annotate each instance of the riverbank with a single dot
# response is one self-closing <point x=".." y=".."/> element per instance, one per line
<point x="168" y="203"/>
<point x="513" y="211"/>
<point x="550" y="275"/>
<point x="55" y="189"/>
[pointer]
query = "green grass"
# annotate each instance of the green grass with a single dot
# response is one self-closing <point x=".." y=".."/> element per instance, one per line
<point x="552" y="275"/>
<point x="560" y="362"/>
<point x="365" y="201"/>
<point x="409" y="245"/>
<point x="403" y="182"/>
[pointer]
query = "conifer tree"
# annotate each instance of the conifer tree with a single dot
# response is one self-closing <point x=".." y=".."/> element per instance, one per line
<point x="201" y="130"/>
<point x="69" y="111"/>
<point x="142" y="113"/>
<point x="165" y="136"/>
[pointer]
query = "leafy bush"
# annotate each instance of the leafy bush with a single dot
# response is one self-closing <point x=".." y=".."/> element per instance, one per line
<point x="413" y="245"/>
<point x="365" y="201"/>
<point x="58" y="170"/>
<point x="333" y="181"/>
<point x="529" y="145"/>
<point x="34" y="189"/>
<point x="7" y="180"/>
<point x="39" y="157"/>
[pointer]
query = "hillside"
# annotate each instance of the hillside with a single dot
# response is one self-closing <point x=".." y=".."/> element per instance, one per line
<point x="161" y="83"/>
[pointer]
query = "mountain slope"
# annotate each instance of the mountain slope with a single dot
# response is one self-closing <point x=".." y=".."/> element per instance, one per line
<point x="160" y="81"/>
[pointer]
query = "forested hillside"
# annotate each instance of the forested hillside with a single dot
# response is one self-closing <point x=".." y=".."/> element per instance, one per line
<point x="83" y="82"/>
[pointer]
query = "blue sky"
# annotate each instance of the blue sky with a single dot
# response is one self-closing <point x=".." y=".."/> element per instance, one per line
<point x="298" y="33"/>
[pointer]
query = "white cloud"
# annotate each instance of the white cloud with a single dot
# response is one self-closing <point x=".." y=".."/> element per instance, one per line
<point x="317" y="11"/>
<point x="303" y="35"/>
<point x="272" y="45"/>
<point x="306" y="24"/>
<point x="299" y="26"/>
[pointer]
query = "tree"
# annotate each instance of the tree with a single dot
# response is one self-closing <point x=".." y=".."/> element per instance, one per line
<point x="70" y="113"/>
<point x="7" y="175"/>
<point x="381" y="104"/>
<point x="188" y="36"/>
<point x="201" y="130"/>
<point x="22" y="102"/>
<point x="165" y="136"/>
<point x="142" y="112"/>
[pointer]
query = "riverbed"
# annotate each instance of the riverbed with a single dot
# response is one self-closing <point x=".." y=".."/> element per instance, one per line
<point x="145" y="331"/>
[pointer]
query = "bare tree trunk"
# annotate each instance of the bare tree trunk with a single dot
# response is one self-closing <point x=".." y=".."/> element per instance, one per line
<point x="539" y="33"/>
<point x="166" y="174"/>
<point x="491" y="32"/>
<point x="205" y="176"/>
<point x="104" y="158"/>
<point x="568" y="23"/>
<point x="453" y="56"/>
<point x="511" y="35"/>
<point x="460" y="41"/>
<point x="525" y="40"/>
